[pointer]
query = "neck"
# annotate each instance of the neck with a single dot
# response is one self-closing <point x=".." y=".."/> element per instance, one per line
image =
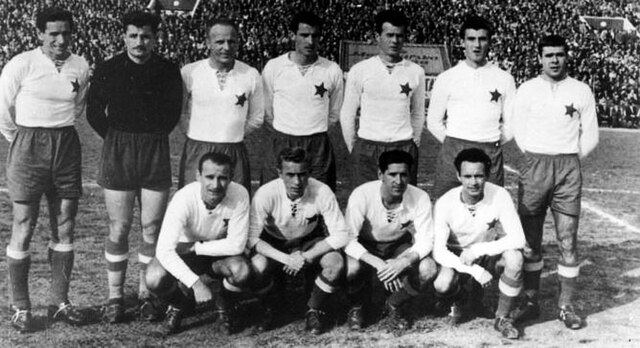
<point x="471" y="200"/>
<point x="138" y="60"/>
<point x="221" y="66"/>
<point x="212" y="204"/>
<point x="389" y="59"/>
<point x="390" y="201"/>
<point x="301" y="59"/>
<point x="475" y="65"/>
<point x="64" y="56"/>
<point x="553" y="79"/>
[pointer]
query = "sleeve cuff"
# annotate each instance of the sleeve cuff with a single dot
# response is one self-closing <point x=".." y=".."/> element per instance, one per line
<point x="189" y="279"/>
<point x="355" y="250"/>
<point x="422" y="252"/>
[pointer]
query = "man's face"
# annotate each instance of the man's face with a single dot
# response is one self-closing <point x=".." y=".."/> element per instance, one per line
<point x="56" y="39"/>
<point x="395" y="179"/>
<point x="554" y="62"/>
<point x="214" y="180"/>
<point x="140" y="42"/>
<point x="295" y="177"/>
<point x="476" y="45"/>
<point x="223" y="44"/>
<point x="391" y="40"/>
<point x="472" y="177"/>
<point x="307" y="40"/>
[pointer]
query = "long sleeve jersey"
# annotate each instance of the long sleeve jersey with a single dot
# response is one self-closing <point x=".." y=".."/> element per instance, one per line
<point x="219" y="232"/>
<point x="274" y="213"/>
<point x="299" y="104"/>
<point x="135" y="98"/>
<point x="33" y="93"/>
<point x="222" y="115"/>
<point x="368" y="219"/>
<point x="391" y="104"/>
<point x="477" y="103"/>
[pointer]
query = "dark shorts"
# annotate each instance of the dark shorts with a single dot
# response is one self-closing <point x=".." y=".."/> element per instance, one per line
<point x="194" y="149"/>
<point x="493" y="264"/>
<point x="446" y="173"/>
<point x="388" y="250"/>
<point x="44" y="160"/>
<point x="550" y="181"/>
<point x="131" y="161"/>
<point x="319" y="151"/>
<point x="302" y="244"/>
<point x="365" y="154"/>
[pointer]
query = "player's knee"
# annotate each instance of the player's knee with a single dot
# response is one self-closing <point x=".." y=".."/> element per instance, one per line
<point x="444" y="281"/>
<point x="239" y="271"/>
<point x="151" y="228"/>
<point x="513" y="260"/>
<point x="332" y="266"/>
<point x="156" y="277"/>
<point x="353" y="269"/>
<point x="427" y="270"/>
<point x="119" y="230"/>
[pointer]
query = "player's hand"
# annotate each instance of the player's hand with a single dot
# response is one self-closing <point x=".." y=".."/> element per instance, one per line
<point x="393" y="285"/>
<point x="295" y="262"/>
<point x="481" y="276"/>
<point x="468" y="257"/>
<point x="392" y="269"/>
<point x="201" y="292"/>
<point x="185" y="248"/>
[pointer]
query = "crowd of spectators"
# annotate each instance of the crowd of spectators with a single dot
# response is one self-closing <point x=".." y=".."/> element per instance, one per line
<point x="606" y="60"/>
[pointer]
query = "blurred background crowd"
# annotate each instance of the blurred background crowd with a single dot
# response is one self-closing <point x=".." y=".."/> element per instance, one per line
<point x="606" y="59"/>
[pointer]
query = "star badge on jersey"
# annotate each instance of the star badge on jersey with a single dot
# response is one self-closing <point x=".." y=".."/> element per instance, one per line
<point x="405" y="89"/>
<point x="225" y="223"/>
<point x="406" y="224"/>
<point x="76" y="86"/>
<point x="241" y="99"/>
<point x="320" y="90"/>
<point x="492" y="224"/>
<point x="570" y="110"/>
<point x="495" y="95"/>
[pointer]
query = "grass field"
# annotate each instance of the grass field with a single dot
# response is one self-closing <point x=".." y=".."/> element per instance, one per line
<point x="609" y="241"/>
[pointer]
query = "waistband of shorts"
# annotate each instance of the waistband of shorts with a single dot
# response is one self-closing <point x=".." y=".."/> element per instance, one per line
<point x="145" y="135"/>
<point x="471" y="142"/>
<point x="385" y="143"/>
<point x="200" y="142"/>
<point x="545" y="155"/>
<point x="314" y="135"/>
<point x="47" y="129"/>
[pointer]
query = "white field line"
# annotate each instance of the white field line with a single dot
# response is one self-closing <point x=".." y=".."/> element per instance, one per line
<point x="594" y="209"/>
<point x="619" y="130"/>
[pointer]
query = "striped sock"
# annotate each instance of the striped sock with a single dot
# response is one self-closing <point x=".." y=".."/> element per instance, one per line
<point x="117" y="256"/>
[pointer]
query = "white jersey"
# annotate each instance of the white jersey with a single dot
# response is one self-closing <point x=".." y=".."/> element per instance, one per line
<point x="477" y="103"/>
<point x="33" y="93"/>
<point x="457" y="228"/>
<point x="219" y="232"/>
<point x="299" y="104"/>
<point x="274" y="213"/>
<point x="222" y="115"/>
<point x="370" y="220"/>
<point x="391" y="104"/>
<point x="555" y="117"/>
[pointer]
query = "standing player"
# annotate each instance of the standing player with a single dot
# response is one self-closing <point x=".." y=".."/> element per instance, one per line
<point x="392" y="231"/>
<point x="467" y="242"/>
<point x="223" y="103"/>
<point x="475" y="96"/>
<point x="134" y="102"/>
<point x="203" y="235"/>
<point x="287" y="234"/>
<point x="389" y="91"/>
<point x="303" y="94"/>
<point x="42" y="92"/>
<point x="555" y="126"/>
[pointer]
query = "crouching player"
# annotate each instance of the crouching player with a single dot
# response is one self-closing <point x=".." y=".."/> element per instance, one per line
<point x="392" y="234"/>
<point x="202" y="239"/>
<point x="466" y="239"/>
<point x="287" y="234"/>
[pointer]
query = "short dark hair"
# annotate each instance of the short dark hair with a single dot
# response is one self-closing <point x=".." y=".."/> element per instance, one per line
<point x="139" y="19"/>
<point x="396" y="18"/>
<point x="223" y="21"/>
<point x="217" y="158"/>
<point x="305" y="17"/>
<point x="295" y="155"/>
<point x="476" y="22"/>
<point x="53" y="14"/>
<point x="393" y="157"/>
<point x="473" y="155"/>
<point x="552" y="41"/>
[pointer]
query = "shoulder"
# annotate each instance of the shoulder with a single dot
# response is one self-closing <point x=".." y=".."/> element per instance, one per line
<point x="530" y="84"/>
<point x="366" y="191"/>
<point x="579" y="85"/>
<point x="448" y="199"/>
<point x="329" y="65"/>
<point x="276" y="62"/>
<point x="237" y="193"/>
<point x="267" y="191"/>
<point x="417" y="195"/>
<point x="188" y="68"/>
<point x="320" y="189"/>
<point x="499" y="73"/>
<point x="19" y="62"/>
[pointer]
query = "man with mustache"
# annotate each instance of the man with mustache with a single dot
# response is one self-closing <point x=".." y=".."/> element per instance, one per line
<point x="391" y="234"/>
<point x="476" y="97"/>
<point x="203" y="235"/>
<point x="303" y="96"/>
<point x="223" y="103"/>
<point x="389" y="91"/>
<point x="290" y="219"/>
<point x="134" y="102"/>
<point x="555" y="126"/>
<point x="468" y="242"/>
<point x="42" y="92"/>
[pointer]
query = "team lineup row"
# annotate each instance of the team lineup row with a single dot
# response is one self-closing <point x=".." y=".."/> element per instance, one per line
<point x="207" y="233"/>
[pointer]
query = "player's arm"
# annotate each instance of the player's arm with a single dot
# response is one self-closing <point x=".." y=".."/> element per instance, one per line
<point x="588" y="125"/>
<point x="519" y="115"/>
<point x="350" y="105"/>
<point x="333" y="218"/>
<point x="185" y="115"/>
<point x="171" y="102"/>
<point x="506" y="126"/>
<point x="355" y="216"/>
<point x="97" y="100"/>
<point x="81" y="96"/>
<point x="255" y="114"/>
<point x="336" y="96"/>
<point x="417" y="108"/>
<point x="267" y="84"/>
<point x="437" y="109"/>
<point x="237" y="233"/>
<point x="10" y="81"/>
